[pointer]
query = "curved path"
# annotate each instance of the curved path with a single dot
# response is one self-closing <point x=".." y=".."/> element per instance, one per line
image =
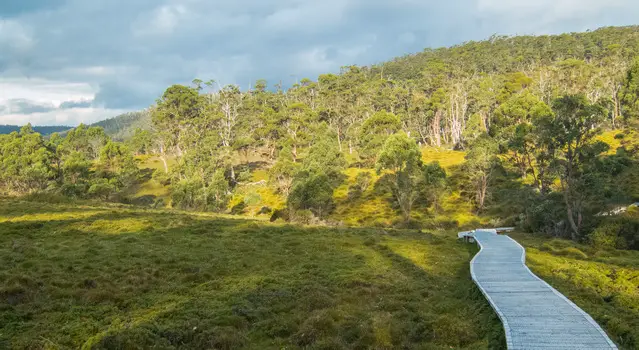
<point x="535" y="315"/>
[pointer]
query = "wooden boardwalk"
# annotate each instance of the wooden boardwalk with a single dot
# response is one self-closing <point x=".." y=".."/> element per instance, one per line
<point x="535" y="315"/>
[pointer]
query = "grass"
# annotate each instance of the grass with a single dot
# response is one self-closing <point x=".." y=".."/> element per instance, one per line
<point x="123" y="278"/>
<point x="446" y="158"/>
<point x="605" y="283"/>
<point x="609" y="138"/>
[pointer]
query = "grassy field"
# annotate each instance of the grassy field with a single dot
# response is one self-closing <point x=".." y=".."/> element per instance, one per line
<point x="74" y="276"/>
<point x="605" y="283"/>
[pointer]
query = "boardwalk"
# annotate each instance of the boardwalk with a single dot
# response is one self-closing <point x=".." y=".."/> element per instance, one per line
<point x="535" y="316"/>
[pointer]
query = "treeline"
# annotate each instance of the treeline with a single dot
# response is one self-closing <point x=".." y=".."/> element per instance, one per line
<point x="85" y="163"/>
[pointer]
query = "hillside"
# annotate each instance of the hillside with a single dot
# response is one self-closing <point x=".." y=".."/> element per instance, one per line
<point x="503" y="54"/>
<point x="123" y="126"/>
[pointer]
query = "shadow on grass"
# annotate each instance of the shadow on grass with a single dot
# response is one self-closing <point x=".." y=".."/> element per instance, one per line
<point x="127" y="278"/>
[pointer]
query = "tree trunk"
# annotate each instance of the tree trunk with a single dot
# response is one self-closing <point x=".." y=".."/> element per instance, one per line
<point x="574" y="233"/>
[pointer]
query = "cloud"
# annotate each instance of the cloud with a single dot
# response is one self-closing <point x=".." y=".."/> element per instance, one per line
<point x="22" y="106"/>
<point x="76" y="104"/>
<point x="122" y="54"/>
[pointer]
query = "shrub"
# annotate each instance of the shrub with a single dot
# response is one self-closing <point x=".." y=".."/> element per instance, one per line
<point x="363" y="180"/>
<point x="621" y="232"/>
<point x="283" y="214"/>
<point x="102" y="188"/>
<point x="264" y="210"/>
<point x="238" y="208"/>
<point x="312" y="192"/>
<point x="161" y="177"/>
<point x="305" y="217"/>
<point x="605" y="236"/>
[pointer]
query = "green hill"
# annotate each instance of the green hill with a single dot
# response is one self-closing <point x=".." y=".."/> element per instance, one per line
<point x="123" y="126"/>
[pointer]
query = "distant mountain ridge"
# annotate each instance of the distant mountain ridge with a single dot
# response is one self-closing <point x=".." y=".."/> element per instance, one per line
<point x="119" y="128"/>
<point x="124" y="125"/>
<point x="44" y="130"/>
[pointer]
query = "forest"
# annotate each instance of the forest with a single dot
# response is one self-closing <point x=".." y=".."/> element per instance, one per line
<point x="546" y="126"/>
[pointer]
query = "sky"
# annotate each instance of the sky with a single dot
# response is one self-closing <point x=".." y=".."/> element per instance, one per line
<point x="63" y="62"/>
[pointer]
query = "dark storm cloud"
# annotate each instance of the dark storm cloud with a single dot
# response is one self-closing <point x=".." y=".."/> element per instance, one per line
<point x="130" y="51"/>
<point x="126" y="95"/>
<point x="27" y="107"/>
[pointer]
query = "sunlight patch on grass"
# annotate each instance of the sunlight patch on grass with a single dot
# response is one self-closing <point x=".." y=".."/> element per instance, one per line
<point x="114" y="226"/>
<point x="446" y="158"/>
<point x="152" y="188"/>
<point x="67" y="215"/>
<point x="609" y="138"/>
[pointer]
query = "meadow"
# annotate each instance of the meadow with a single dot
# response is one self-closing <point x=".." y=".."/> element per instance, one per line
<point x="115" y="277"/>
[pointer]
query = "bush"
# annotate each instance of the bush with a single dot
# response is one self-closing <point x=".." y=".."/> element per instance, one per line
<point x="312" y="192"/>
<point x="161" y="177"/>
<point x="410" y="224"/>
<point x="283" y="214"/>
<point x="238" y="208"/>
<point x="264" y="210"/>
<point x="363" y="180"/>
<point x="605" y="236"/>
<point x="621" y="232"/>
<point x="305" y="217"/>
<point x="73" y="190"/>
<point x="102" y="188"/>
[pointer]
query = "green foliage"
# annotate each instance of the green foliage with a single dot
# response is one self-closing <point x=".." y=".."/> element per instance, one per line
<point x="102" y="188"/>
<point x="324" y="156"/>
<point x="26" y="164"/>
<point x="313" y="192"/>
<point x="196" y="194"/>
<point x="572" y="132"/>
<point x="375" y="130"/>
<point x="283" y="171"/>
<point x="621" y="232"/>
<point x="402" y="157"/>
<point x="434" y="184"/>
<point x="630" y="93"/>
<point x="480" y="165"/>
